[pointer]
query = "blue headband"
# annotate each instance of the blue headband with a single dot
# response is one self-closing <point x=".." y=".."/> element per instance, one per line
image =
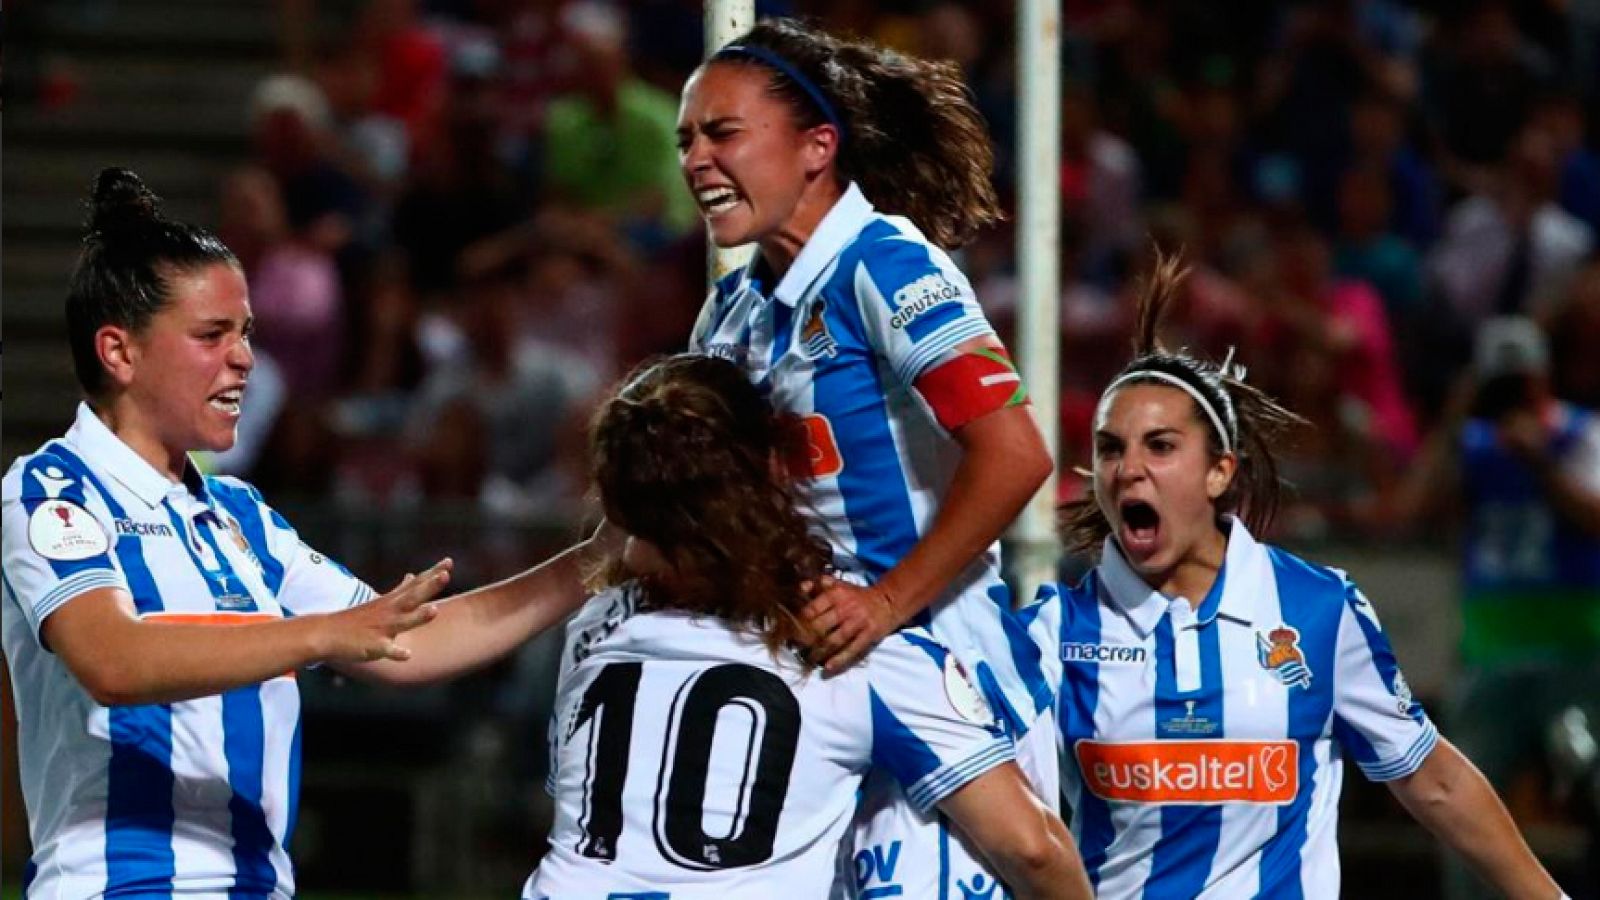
<point x="773" y="60"/>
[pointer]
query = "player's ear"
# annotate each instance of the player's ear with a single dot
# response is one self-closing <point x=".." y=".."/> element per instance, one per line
<point x="821" y="148"/>
<point x="1220" y="475"/>
<point x="118" y="352"/>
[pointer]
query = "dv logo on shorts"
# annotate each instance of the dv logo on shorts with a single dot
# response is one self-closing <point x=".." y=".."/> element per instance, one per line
<point x="1191" y="772"/>
<point x="878" y="864"/>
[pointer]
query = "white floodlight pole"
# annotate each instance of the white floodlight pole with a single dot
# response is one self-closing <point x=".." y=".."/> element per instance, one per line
<point x="726" y="20"/>
<point x="1033" y="539"/>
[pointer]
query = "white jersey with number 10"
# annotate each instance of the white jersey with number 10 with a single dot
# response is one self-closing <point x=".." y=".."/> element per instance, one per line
<point x="688" y="762"/>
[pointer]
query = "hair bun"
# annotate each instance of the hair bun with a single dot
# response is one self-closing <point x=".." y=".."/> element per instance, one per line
<point x="121" y="202"/>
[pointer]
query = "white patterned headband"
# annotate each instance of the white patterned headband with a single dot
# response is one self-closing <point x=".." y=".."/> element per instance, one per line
<point x="1186" y="387"/>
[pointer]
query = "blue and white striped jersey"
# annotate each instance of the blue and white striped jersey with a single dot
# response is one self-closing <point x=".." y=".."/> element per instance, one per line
<point x="1203" y="749"/>
<point x="194" y="798"/>
<point x="688" y="763"/>
<point x="867" y="307"/>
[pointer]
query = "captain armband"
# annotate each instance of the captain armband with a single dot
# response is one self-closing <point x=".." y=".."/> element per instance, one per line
<point x="971" y="385"/>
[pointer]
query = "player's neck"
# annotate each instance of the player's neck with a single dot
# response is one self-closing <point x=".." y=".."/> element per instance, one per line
<point x="780" y="248"/>
<point x="124" y="421"/>
<point x="1195" y="574"/>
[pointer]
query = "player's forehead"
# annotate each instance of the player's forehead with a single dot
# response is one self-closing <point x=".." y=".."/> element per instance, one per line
<point x="725" y="89"/>
<point x="1139" y="408"/>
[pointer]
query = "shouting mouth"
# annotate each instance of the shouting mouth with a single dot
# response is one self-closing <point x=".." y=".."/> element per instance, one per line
<point x="1141" y="526"/>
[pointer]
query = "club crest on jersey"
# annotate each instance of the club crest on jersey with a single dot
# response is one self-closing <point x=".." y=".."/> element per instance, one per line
<point x="814" y="335"/>
<point x="63" y="531"/>
<point x="1279" y="653"/>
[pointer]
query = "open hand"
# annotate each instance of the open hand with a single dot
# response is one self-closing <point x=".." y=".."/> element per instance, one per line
<point x="847" y="621"/>
<point x="367" y="633"/>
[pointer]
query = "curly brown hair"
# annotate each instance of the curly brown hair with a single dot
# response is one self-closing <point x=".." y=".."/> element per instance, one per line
<point x="913" y="140"/>
<point x="1255" y="422"/>
<point x="688" y="456"/>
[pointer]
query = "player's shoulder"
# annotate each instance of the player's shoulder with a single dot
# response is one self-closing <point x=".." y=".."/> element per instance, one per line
<point x="45" y="473"/>
<point x="232" y="489"/>
<point x="1300" y="581"/>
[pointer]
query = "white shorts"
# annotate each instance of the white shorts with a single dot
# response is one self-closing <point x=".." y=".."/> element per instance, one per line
<point x="899" y="852"/>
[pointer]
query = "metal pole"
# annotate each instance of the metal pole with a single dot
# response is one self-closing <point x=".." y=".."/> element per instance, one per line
<point x="1033" y="539"/>
<point x="726" y="20"/>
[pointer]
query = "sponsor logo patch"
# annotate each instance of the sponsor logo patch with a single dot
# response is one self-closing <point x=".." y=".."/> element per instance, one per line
<point x="1191" y="772"/>
<point x="919" y="296"/>
<point x="1106" y="654"/>
<point x="130" y="528"/>
<point x="63" y="531"/>
<point x="816" y="453"/>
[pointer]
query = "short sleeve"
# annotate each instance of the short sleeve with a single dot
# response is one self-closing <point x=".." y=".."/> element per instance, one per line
<point x="1583" y="460"/>
<point x="916" y="304"/>
<point x="704" y="323"/>
<point x="931" y="728"/>
<point x="1379" y="723"/>
<point x="303" y="580"/>
<point x="55" y="547"/>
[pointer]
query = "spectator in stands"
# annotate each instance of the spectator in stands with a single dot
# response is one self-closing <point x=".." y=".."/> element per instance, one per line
<point x="609" y="143"/>
<point x="1369" y="251"/>
<point x="1521" y="469"/>
<point x="1378" y="126"/>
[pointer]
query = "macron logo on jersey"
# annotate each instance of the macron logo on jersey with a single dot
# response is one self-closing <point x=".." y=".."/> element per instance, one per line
<point x="1108" y="654"/>
<point x="1191" y="772"/>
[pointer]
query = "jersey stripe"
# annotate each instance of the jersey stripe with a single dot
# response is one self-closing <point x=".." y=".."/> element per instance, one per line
<point x="139" y="809"/>
<point x="1305" y="604"/>
<point x="1182" y="855"/>
<point x="1078" y="705"/>
<point x="243" y="739"/>
<point x="871" y="483"/>
<point x="1025" y="654"/>
<point x="903" y="754"/>
<point x="244" y="746"/>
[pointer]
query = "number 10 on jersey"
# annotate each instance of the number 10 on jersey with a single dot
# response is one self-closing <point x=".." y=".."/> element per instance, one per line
<point x="677" y="821"/>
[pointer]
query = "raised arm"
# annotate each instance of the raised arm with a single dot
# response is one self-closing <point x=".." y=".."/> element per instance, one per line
<point x="1452" y="799"/>
<point x="476" y="628"/>
<point x="121" y="658"/>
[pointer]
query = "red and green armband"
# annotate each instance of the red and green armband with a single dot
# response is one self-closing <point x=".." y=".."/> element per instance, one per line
<point x="971" y="385"/>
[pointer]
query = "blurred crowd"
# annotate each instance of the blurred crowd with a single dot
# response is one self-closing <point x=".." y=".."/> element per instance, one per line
<point x="463" y="219"/>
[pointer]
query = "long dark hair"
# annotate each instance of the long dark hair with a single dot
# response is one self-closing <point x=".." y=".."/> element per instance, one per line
<point x="687" y="456"/>
<point x="130" y="250"/>
<point x="913" y="139"/>
<point x="1255" y="422"/>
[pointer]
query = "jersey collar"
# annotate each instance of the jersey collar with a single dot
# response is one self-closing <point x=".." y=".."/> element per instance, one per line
<point x="98" y="443"/>
<point x="1230" y="597"/>
<point x="850" y="214"/>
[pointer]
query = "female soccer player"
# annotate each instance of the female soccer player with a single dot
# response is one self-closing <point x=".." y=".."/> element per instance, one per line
<point x="852" y="169"/>
<point x="154" y="616"/>
<point x="696" y="754"/>
<point x="1211" y="684"/>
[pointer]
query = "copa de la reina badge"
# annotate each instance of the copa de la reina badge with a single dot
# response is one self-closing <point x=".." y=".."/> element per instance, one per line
<point x="965" y="698"/>
<point x="63" y="531"/>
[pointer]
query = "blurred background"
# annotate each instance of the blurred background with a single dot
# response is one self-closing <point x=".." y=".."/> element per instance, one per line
<point x="461" y="220"/>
